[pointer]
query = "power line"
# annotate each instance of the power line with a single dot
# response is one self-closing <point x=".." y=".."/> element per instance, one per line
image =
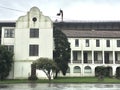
<point x="25" y="11"/>
<point x="11" y="9"/>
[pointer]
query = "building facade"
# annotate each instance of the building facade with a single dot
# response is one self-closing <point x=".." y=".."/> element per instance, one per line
<point x="31" y="37"/>
<point x="92" y="44"/>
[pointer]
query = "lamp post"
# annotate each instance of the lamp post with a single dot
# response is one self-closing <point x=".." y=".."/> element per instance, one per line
<point x="60" y="14"/>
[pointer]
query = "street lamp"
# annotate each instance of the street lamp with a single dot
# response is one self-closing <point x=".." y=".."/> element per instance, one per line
<point x="60" y="14"/>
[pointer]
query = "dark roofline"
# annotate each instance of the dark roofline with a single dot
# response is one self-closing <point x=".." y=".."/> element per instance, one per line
<point x="108" y="26"/>
<point x="88" y="21"/>
<point x="7" y="24"/>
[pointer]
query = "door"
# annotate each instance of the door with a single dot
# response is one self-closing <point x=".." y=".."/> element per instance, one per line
<point x="85" y="57"/>
<point x="106" y="57"/>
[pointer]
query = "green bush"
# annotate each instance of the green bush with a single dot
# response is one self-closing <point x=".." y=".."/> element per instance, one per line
<point x="6" y="61"/>
<point x="118" y="73"/>
<point x="104" y="71"/>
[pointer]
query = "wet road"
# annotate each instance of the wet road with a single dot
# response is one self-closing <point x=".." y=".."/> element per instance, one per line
<point x="60" y="87"/>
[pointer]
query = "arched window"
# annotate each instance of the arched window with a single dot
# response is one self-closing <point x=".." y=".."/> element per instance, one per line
<point x="76" y="69"/>
<point x="87" y="69"/>
<point x="68" y="70"/>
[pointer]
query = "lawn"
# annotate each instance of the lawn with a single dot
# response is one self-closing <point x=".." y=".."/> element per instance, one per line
<point x="65" y="80"/>
<point x="84" y="80"/>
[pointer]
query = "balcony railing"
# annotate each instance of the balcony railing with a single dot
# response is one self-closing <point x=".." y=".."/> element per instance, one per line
<point x="88" y="61"/>
<point x="109" y="62"/>
<point x="77" y="61"/>
<point x="95" y="62"/>
<point x="117" y="62"/>
<point x="98" y="62"/>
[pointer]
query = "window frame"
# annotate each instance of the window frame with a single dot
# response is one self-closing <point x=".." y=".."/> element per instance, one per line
<point x="97" y="43"/>
<point x="87" y="43"/>
<point x="33" y="50"/>
<point x="107" y="43"/>
<point x="34" y="32"/>
<point x="76" y="42"/>
<point x="75" y="55"/>
<point x="87" y="69"/>
<point x="95" y="56"/>
<point x="118" y="43"/>
<point x="9" y="33"/>
<point x="77" y="69"/>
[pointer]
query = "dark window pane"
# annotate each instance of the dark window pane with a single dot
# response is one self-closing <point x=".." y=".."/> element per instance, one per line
<point x="9" y="33"/>
<point x="118" y="43"/>
<point x="116" y="56"/>
<point x="34" y="33"/>
<point x="76" y="42"/>
<point x="108" y="43"/>
<point x="97" y="43"/>
<point x="33" y="50"/>
<point x="87" y="43"/>
<point x="75" y="56"/>
<point x="95" y="56"/>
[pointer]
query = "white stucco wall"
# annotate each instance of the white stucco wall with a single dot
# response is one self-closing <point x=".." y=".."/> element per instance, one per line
<point x="22" y="40"/>
<point x="92" y="44"/>
<point x="92" y="47"/>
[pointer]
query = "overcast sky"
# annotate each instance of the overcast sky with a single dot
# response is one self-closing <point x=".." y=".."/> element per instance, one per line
<point x="80" y="10"/>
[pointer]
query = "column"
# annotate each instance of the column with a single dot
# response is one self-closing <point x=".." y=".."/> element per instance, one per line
<point x="71" y="60"/>
<point x="82" y="57"/>
<point x="103" y="57"/>
<point x="113" y="57"/>
<point x="92" y="57"/>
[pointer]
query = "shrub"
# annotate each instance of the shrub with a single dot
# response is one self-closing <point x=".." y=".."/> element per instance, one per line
<point x="118" y="73"/>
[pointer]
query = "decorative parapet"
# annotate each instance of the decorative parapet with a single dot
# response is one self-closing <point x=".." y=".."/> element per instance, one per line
<point x="34" y="19"/>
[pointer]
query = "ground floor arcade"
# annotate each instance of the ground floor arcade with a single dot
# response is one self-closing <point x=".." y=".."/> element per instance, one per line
<point x="89" y="70"/>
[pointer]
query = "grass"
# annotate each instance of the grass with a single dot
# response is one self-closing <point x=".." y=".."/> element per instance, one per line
<point x="85" y="80"/>
<point x="65" y="80"/>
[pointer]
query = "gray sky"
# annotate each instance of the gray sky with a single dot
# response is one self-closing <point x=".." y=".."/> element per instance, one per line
<point x="81" y="10"/>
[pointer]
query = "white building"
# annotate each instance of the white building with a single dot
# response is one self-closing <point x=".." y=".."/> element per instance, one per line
<point x="92" y="44"/>
<point x="30" y="39"/>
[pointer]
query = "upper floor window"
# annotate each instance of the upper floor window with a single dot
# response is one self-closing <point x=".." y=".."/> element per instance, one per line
<point x="87" y="43"/>
<point x="107" y="43"/>
<point x="9" y="33"/>
<point x="10" y="48"/>
<point x="33" y="50"/>
<point x="76" y="42"/>
<point x="118" y="43"/>
<point x="34" y="33"/>
<point x="97" y="43"/>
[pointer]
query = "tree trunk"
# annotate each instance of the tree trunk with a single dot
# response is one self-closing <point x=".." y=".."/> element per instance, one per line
<point x="49" y="77"/>
<point x="56" y="74"/>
